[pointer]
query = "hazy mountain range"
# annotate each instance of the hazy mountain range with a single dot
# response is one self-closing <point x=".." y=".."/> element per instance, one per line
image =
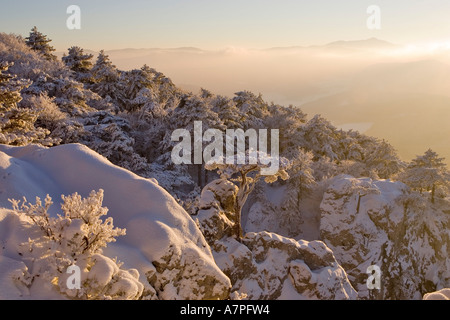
<point x="387" y="90"/>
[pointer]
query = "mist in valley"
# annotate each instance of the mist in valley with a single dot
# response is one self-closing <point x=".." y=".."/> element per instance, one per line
<point x="396" y="92"/>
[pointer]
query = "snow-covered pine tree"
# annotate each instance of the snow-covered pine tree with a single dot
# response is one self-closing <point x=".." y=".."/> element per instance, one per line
<point x="10" y="88"/>
<point x="350" y="147"/>
<point x="384" y="160"/>
<point x="301" y="178"/>
<point x="40" y="43"/>
<point x="80" y="63"/>
<point x="253" y="107"/>
<point x="300" y="184"/>
<point x="191" y="108"/>
<point x="17" y="124"/>
<point x="246" y="176"/>
<point x="50" y="116"/>
<point x="109" y="136"/>
<point x="289" y="121"/>
<point x="324" y="168"/>
<point x="105" y="77"/>
<point x="363" y="188"/>
<point x="427" y="172"/>
<point x="322" y="138"/>
<point x="136" y="88"/>
<point x="226" y="109"/>
<point x="164" y="88"/>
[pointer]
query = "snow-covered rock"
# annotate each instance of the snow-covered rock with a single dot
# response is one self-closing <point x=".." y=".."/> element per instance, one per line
<point x="443" y="294"/>
<point x="266" y="265"/>
<point x="219" y="196"/>
<point x="163" y="247"/>
<point x="377" y="222"/>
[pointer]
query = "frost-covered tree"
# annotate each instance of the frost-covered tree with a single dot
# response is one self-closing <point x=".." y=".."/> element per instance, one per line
<point x="301" y="179"/>
<point x="246" y="177"/>
<point x="17" y="124"/>
<point x="350" y="147"/>
<point x="76" y="237"/>
<point x="322" y="138"/>
<point x="324" y="168"/>
<point x="136" y="87"/>
<point x="384" y="160"/>
<point x="289" y="121"/>
<point x="363" y="188"/>
<point x="167" y="92"/>
<point x="105" y="77"/>
<point x="190" y="110"/>
<point x="253" y="107"/>
<point x="10" y="87"/>
<point x="355" y="169"/>
<point x="80" y="63"/>
<point x="50" y="115"/>
<point x="411" y="200"/>
<point x="40" y="43"/>
<point x="226" y="109"/>
<point x="427" y="172"/>
<point x="300" y="184"/>
<point x="109" y="136"/>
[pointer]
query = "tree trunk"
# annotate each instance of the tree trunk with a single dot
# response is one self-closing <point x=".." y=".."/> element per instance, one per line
<point x="205" y="180"/>
<point x="359" y="202"/>
<point x="237" y="223"/>
<point x="299" y="194"/>
<point x="433" y="191"/>
<point x="199" y="176"/>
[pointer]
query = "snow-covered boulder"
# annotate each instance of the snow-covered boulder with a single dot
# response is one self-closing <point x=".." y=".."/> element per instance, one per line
<point x="216" y="210"/>
<point x="163" y="247"/>
<point x="266" y="265"/>
<point x="443" y="294"/>
<point x="378" y="222"/>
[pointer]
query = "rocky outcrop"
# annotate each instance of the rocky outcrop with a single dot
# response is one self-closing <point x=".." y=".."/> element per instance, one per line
<point x="265" y="265"/>
<point x="379" y="222"/>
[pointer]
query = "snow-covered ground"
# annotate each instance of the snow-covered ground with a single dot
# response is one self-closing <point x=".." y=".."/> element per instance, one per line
<point x="164" y="254"/>
<point x="162" y="242"/>
<point x="168" y="254"/>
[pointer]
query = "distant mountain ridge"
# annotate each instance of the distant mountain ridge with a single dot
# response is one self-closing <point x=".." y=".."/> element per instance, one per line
<point x="366" y="43"/>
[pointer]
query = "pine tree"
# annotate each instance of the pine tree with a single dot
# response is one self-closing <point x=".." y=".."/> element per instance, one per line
<point x="253" y="107"/>
<point x="80" y="63"/>
<point x="350" y="146"/>
<point x="427" y="173"/>
<point x="110" y="137"/>
<point x="198" y="109"/>
<point x="246" y="176"/>
<point x="226" y="110"/>
<point x="289" y="120"/>
<point x="39" y="42"/>
<point x="136" y="88"/>
<point x="17" y="124"/>
<point x="9" y="89"/>
<point x="384" y="160"/>
<point x="166" y="91"/>
<point x="301" y="178"/>
<point x="105" y="77"/>
<point x="322" y="138"/>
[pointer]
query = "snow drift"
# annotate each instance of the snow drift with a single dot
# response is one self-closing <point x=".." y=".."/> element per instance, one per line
<point x="162" y="243"/>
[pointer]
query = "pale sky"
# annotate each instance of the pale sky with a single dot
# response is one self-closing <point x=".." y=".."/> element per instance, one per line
<point x="217" y="24"/>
